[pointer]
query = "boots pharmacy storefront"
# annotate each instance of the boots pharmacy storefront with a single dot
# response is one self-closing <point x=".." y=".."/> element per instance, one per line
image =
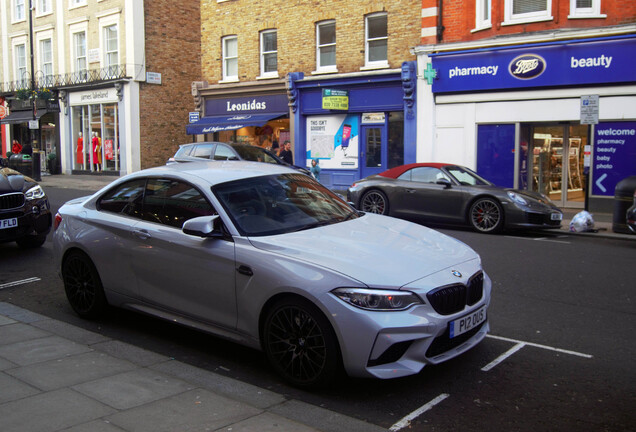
<point x="94" y="132"/>
<point x="515" y="114"/>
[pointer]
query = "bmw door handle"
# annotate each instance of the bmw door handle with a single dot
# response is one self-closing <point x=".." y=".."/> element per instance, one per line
<point x="141" y="234"/>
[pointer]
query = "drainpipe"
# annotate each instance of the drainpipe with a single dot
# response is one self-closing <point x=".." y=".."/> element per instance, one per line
<point x="440" y="26"/>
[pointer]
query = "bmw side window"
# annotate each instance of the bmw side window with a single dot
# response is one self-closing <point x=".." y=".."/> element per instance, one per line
<point x="171" y="202"/>
<point x="125" y="199"/>
<point x="184" y="151"/>
<point x="224" y="153"/>
<point x="203" y="151"/>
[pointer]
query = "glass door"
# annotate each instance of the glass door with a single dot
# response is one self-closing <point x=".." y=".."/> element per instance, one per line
<point x="555" y="161"/>
<point x="372" y="156"/>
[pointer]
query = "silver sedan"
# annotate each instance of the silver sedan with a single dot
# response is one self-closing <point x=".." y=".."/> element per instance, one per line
<point x="271" y="259"/>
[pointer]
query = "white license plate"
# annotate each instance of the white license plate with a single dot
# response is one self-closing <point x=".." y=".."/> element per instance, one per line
<point x="556" y="216"/>
<point x="8" y="223"/>
<point x="468" y="322"/>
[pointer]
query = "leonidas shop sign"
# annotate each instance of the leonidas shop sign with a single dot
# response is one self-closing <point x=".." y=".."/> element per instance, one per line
<point x="247" y="105"/>
<point x="93" y="97"/>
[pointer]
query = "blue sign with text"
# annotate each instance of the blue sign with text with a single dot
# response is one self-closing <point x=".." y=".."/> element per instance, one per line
<point x="597" y="61"/>
<point x="614" y="156"/>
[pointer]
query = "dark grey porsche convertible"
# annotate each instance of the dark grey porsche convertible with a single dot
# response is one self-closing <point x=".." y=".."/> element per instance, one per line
<point x="452" y="194"/>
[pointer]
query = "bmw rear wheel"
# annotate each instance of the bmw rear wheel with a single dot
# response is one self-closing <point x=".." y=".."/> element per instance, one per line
<point x="300" y="343"/>
<point x="83" y="286"/>
<point x="375" y="201"/>
<point x="486" y="215"/>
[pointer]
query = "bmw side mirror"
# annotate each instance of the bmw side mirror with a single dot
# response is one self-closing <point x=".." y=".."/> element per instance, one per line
<point x="444" y="182"/>
<point x="204" y="226"/>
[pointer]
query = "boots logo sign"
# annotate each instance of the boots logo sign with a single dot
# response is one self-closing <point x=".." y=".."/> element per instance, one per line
<point x="527" y="66"/>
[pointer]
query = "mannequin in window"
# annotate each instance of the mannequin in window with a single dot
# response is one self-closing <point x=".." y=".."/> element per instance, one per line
<point x="79" y="157"/>
<point x="97" y="154"/>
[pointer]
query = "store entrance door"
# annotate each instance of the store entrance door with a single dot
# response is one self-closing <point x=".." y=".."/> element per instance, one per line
<point x="555" y="163"/>
<point x="373" y="157"/>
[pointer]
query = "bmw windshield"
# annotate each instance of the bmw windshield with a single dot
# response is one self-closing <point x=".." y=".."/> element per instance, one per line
<point x="281" y="204"/>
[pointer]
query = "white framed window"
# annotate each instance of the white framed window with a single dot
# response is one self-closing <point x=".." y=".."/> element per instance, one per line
<point x="269" y="54"/>
<point x="80" y="60"/>
<point x="20" y="63"/>
<point x="482" y="14"/>
<point x="19" y="10"/>
<point x="44" y="7"/>
<point x="326" y="46"/>
<point x="76" y="3"/>
<point x="526" y="11"/>
<point x="230" y="58"/>
<point x="376" y="41"/>
<point x="45" y="59"/>
<point x="585" y="9"/>
<point x="111" y="48"/>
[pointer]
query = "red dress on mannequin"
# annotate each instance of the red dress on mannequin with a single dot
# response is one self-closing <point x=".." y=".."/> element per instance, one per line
<point x="80" y="151"/>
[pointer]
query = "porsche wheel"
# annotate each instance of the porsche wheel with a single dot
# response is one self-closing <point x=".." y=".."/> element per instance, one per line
<point x="375" y="201"/>
<point x="486" y="215"/>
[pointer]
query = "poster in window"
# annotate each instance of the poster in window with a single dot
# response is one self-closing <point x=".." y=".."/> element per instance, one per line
<point x="333" y="140"/>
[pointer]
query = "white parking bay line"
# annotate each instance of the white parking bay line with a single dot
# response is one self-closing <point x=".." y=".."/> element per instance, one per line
<point x="502" y="357"/>
<point x="20" y="282"/>
<point x="406" y="421"/>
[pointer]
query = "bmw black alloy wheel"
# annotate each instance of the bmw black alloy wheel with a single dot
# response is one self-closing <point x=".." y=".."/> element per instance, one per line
<point x="83" y="286"/>
<point x="300" y="344"/>
<point x="375" y="201"/>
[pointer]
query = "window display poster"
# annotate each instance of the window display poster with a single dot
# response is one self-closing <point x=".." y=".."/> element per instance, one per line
<point x="108" y="149"/>
<point x="614" y="156"/>
<point x="333" y="139"/>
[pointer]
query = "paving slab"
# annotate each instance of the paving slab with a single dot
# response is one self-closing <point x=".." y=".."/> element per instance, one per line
<point x="19" y="314"/>
<point x="6" y="364"/>
<point x="70" y="332"/>
<point x="133" y="354"/>
<point x="6" y="320"/>
<point x="95" y="426"/>
<point x="134" y="388"/>
<point x="50" y="411"/>
<point x="268" y="422"/>
<point x="19" y="332"/>
<point x="40" y="350"/>
<point x="70" y="370"/>
<point x="14" y="389"/>
<point x="195" y="410"/>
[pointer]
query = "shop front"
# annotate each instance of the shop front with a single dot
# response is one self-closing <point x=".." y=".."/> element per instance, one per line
<point x="555" y="117"/>
<point x="355" y="125"/>
<point x="255" y="115"/>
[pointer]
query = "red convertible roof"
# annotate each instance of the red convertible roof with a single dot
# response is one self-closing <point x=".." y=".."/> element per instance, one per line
<point x="398" y="171"/>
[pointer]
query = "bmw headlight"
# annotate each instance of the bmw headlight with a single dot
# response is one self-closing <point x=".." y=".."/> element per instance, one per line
<point x="377" y="300"/>
<point x="36" y="192"/>
<point x="515" y="197"/>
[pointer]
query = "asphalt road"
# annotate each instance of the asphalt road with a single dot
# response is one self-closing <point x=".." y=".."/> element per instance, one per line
<point x="560" y="356"/>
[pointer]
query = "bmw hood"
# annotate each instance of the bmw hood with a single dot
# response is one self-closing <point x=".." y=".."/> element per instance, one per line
<point x="378" y="251"/>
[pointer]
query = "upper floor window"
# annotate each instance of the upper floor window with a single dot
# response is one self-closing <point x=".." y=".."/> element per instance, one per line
<point x="585" y="9"/>
<point x="230" y="58"/>
<point x="326" y="46"/>
<point x="269" y="53"/>
<point x="46" y="61"/>
<point x="376" y="40"/>
<point x="19" y="60"/>
<point x="482" y="14"/>
<point x="44" y="7"/>
<point x="76" y="3"/>
<point x="111" y="47"/>
<point x="524" y="11"/>
<point x="19" y="11"/>
<point x="80" y="62"/>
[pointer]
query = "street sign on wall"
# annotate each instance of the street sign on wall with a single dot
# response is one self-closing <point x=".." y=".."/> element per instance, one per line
<point x="589" y="109"/>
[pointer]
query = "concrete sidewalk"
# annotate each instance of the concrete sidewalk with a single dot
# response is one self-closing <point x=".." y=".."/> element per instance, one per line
<point x="92" y="183"/>
<point x="58" y="377"/>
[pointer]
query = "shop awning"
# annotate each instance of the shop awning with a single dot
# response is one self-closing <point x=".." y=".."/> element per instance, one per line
<point x="212" y="124"/>
<point x="22" y="117"/>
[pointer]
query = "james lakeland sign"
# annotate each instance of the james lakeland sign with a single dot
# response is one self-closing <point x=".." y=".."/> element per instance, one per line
<point x="596" y="61"/>
<point x="614" y="156"/>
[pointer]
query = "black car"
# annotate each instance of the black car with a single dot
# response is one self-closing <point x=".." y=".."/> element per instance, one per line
<point x="25" y="213"/>
<point x="631" y="216"/>
<point x="228" y="151"/>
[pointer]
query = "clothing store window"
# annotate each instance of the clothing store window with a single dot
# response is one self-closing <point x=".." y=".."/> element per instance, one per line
<point x="376" y="43"/>
<point x="80" y="62"/>
<point x="46" y="61"/>
<point x="20" y="64"/>
<point x="326" y="46"/>
<point x="482" y="14"/>
<point x="95" y="137"/>
<point x="44" y="7"/>
<point x="269" y="53"/>
<point x="111" y="49"/>
<point x="19" y="10"/>
<point x="522" y="11"/>
<point x="230" y="58"/>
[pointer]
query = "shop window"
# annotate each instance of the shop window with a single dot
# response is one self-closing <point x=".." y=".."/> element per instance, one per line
<point x="269" y="53"/>
<point x="482" y="14"/>
<point x="19" y="59"/>
<point x="524" y="11"/>
<point x="19" y="13"/>
<point x="376" y="41"/>
<point x="46" y="61"/>
<point x="396" y="139"/>
<point x="585" y="9"/>
<point x="230" y="58"/>
<point x="326" y="46"/>
<point x="44" y="7"/>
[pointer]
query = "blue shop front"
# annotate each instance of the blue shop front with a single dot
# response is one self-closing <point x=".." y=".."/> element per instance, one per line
<point x="354" y="125"/>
